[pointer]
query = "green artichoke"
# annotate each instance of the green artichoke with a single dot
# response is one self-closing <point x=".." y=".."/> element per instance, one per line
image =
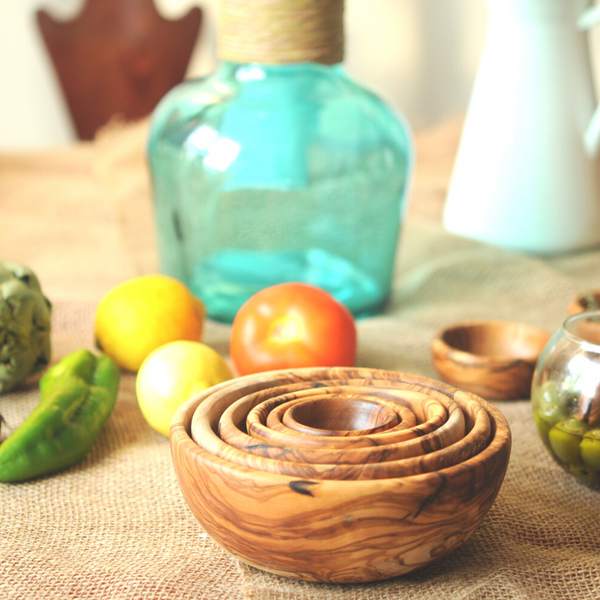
<point x="25" y="315"/>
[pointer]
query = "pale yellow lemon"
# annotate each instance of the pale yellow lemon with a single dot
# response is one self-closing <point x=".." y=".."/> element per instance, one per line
<point x="174" y="373"/>
<point x="144" y="313"/>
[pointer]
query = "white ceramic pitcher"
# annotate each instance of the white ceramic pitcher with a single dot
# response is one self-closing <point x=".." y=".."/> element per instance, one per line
<point x="527" y="172"/>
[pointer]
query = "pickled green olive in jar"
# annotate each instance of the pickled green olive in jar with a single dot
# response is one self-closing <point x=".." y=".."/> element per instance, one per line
<point x="590" y="449"/>
<point x="565" y="439"/>
<point x="585" y="475"/>
<point x="552" y="404"/>
<point x="565" y="397"/>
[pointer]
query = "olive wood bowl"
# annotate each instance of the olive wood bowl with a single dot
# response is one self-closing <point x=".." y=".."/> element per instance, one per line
<point x="434" y="452"/>
<point x="494" y="359"/>
<point x="341" y="416"/>
<point x="347" y="528"/>
<point x="267" y="418"/>
<point x="265" y="421"/>
<point x="434" y="434"/>
<point x="282" y="418"/>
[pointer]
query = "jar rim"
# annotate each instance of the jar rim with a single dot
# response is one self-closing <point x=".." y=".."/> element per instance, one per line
<point x="568" y="328"/>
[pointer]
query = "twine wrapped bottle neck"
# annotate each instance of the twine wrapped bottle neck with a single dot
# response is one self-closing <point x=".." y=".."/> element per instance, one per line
<point x="281" y="31"/>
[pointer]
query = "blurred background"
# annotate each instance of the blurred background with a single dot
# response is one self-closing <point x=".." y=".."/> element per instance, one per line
<point x="420" y="55"/>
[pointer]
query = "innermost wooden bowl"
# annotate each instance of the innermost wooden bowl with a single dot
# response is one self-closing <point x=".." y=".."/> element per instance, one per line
<point x="336" y="416"/>
<point x="494" y="359"/>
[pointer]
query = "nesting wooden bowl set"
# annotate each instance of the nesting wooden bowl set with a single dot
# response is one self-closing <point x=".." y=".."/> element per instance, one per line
<point x="339" y="474"/>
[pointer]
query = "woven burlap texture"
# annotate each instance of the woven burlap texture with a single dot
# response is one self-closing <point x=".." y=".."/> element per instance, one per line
<point x="116" y="524"/>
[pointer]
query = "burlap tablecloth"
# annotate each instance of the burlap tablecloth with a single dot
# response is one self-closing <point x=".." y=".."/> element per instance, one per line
<point x="116" y="525"/>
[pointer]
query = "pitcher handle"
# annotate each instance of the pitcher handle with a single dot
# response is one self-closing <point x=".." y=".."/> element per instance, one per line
<point x="589" y="17"/>
<point x="591" y="137"/>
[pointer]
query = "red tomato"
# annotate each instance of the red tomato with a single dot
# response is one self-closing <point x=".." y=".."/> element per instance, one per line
<point x="292" y="325"/>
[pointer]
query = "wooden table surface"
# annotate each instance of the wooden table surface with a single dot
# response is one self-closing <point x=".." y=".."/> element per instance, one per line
<point x="116" y="526"/>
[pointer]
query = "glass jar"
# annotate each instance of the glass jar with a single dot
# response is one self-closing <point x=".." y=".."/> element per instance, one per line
<point x="267" y="173"/>
<point x="565" y="396"/>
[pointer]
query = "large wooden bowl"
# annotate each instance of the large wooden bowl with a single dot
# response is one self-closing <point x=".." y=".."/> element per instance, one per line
<point x="494" y="359"/>
<point x="338" y="524"/>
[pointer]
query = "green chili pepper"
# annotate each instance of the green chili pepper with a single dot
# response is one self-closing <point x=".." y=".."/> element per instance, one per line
<point x="77" y="396"/>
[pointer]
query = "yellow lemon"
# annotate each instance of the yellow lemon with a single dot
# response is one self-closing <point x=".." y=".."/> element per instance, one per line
<point x="174" y="373"/>
<point x="144" y="313"/>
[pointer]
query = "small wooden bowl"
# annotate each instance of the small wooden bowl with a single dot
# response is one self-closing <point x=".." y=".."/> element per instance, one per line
<point x="451" y="441"/>
<point x="440" y="434"/>
<point x="295" y="417"/>
<point x="340" y="417"/>
<point x="346" y="529"/>
<point x="494" y="359"/>
<point x="265" y="422"/>
<point x="274" y="417"/>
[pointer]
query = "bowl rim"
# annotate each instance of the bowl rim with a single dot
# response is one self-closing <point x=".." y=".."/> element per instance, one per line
<point x="466" y="358"/>
<point x="573" y="337"/>
<point x="501" y="440"/>
<point x="470" y="441"/>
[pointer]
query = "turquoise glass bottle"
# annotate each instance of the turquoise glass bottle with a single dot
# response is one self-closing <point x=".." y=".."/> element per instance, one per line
<point x="277" y="170"/>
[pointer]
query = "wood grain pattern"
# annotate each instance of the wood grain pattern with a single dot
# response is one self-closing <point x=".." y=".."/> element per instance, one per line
<point x="277" y="455"/>
<point x="494" y="359"/>
<point x="344" y="416"/>
<point x="435" y="433"/>
<point x="339" y="529"/>
<point x="117" y="58"/>
<point x="265" y="421"/>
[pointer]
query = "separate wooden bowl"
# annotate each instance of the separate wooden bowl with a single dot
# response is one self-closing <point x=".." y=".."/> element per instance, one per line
<point x="344" y="529"/>
<point x="494" y="359"/>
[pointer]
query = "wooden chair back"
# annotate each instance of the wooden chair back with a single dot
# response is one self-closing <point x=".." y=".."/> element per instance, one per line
<point x="117" y="58"/>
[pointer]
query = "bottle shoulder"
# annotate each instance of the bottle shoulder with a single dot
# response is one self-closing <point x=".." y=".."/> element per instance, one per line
<point x="235" y="96"/>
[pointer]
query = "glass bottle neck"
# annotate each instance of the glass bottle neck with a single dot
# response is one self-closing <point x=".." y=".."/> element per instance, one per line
<point x="254" y="71"/>
<point x="281" y="31"/>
